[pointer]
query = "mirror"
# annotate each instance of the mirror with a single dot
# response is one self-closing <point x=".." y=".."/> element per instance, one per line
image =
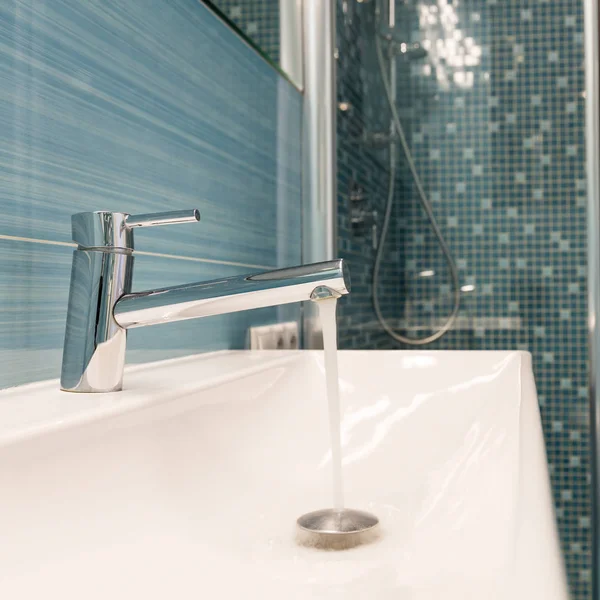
<point x="272" y="27"/>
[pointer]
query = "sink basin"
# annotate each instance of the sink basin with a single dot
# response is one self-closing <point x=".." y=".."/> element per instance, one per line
<point x="188" y="483"/>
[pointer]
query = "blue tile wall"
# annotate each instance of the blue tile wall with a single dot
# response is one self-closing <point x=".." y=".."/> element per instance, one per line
<point x="495" y="120"/>
<point x="137" y="107"/>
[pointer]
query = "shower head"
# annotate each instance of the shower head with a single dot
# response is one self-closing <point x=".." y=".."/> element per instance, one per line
<point x="398" y="47"/>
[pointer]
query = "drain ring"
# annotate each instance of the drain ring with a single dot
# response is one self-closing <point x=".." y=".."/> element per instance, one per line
<point x="336" y="529"/>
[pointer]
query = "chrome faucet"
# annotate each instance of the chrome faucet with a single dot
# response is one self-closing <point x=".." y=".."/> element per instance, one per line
<point x="102" y="306"/>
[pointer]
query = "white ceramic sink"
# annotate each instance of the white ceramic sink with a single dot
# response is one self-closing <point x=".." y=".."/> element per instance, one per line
<point x="188" y="483"/>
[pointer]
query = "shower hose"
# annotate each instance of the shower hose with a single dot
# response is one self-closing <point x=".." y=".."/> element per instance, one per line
<point x="426" y="204"/>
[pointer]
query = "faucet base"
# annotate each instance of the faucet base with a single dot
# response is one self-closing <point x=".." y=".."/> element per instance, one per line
<point x="94" y="350"/>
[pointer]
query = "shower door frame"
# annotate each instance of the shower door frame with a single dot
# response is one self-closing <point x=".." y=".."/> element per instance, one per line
<point x="592" y="120"/>
<point x="319" y="153"/>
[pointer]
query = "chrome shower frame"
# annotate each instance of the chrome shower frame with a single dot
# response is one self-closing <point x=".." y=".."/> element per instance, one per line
<point x="319" y="210"/>
<point x="592" y="118"/>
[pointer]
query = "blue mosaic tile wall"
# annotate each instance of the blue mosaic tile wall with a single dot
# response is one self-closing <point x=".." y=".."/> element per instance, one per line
<point x="363" y="174"/>
<point x="495" y="119"/>
<point x="258" y="19"/>
<point x="138" y="107"/>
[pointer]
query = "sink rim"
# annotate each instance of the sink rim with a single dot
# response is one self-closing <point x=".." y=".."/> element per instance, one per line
<point x="40" y="408"/>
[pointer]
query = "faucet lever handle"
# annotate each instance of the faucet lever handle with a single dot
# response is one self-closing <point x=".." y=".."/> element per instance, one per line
<point x="171" y="217"/>
<point x="104" y="229"/>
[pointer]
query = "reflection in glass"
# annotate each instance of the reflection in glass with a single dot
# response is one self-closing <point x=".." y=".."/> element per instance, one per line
<point x="257" y="19"/>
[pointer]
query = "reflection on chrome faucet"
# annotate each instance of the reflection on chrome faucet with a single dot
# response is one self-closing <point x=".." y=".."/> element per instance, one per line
<point x="102" y="306"/>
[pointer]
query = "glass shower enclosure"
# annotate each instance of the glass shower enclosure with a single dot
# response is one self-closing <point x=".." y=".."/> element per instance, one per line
<point x="463" y="198"/>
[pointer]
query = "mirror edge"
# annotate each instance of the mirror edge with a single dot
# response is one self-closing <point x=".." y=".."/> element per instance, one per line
<point x="290" y="39"/>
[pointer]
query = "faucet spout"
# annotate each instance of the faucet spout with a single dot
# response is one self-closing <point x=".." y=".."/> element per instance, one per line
<point x="220" y="296"/>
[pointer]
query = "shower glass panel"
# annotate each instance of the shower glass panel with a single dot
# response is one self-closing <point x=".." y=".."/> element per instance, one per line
<point x="478" y="141"/>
